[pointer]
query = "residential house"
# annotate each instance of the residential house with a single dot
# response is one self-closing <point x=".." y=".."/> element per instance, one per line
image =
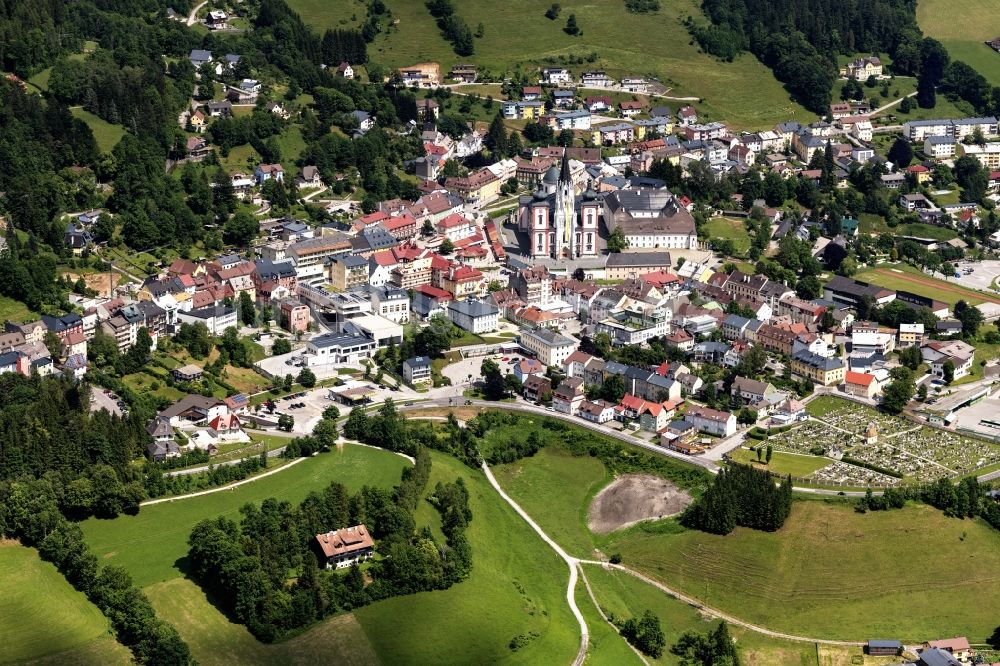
<point x="595" y="79"/>
<point x="599" y="411"/>
<point x="863" y="68"/>
<point x="309" y="178"/>
<point x="417" y="370"/>
<point x="536" y="387"/>
<point x="345" y="547"/>
<point x="527" y="367"/>
<point x="568" y="396"/>
<point x="937" y="353"/>
<point x="265" y="172"/>
<point x="910" y="335"/>
<point x="958" y="647"/>
<point x="344" y="70"/>
<point x="752" y="392"/>
<point x="465" y="73"/>
<point x="712" y="421"/>
<point x="555" y="76"/>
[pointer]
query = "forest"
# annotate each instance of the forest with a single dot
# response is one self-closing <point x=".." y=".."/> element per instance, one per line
<point x="47" y="431"/>
<point x="800" y="42"/>
<point x="247" y="565"/>
<point x="741" y="496"/>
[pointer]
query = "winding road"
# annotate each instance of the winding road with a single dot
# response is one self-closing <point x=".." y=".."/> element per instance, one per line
<point x="193" y="16"/>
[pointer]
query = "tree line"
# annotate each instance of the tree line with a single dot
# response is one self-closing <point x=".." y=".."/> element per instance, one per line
<point x="48" y="432"/>
<point x="800" y="40"/>
<point x="247" y="564"/>
<point x="30" y="510"/>
<point x="743" y="496"/>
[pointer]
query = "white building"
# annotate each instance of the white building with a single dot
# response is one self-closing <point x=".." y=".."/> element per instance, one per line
<point x="338" y="349"/>
<point x="217" y="318"/>
<point x="712" y="421"/>
<point x="391" y="303"/>
<point x="550" y="347"/>
<point x="474" y="315"/>
<point x="940" y="147"/>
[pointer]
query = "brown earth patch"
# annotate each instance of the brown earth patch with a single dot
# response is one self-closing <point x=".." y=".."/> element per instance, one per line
<point x="633" y="498"/>
<point x="102" y="283"/>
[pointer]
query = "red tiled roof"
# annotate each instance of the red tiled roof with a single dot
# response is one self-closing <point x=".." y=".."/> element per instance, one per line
<point x="859" y="378"/>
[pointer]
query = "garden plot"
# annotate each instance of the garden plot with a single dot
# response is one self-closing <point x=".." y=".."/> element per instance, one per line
<point x="840" y="473"/>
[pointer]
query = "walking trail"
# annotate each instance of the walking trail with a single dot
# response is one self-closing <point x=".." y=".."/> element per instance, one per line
<point x="574" y="563"/>
<point x="571" y="562"/>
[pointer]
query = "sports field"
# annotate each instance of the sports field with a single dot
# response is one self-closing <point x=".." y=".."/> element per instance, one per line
<point x="962" y="26"/>
<point x="41" y="615"/>
<point x="833" y="573"/>
<point x="907" y="278"/>
<point x="516" y="34"/>
<point x="152" y="545"/>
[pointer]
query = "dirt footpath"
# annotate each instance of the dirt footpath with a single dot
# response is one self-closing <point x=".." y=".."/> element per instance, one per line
<point x="632" y="498"/>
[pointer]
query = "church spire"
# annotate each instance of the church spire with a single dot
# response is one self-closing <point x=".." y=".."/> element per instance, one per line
<point x="564" y="175"/>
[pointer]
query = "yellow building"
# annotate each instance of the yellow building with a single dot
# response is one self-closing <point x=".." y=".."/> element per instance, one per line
<point x="348" y="271"/>
<point x="824" y="371"/>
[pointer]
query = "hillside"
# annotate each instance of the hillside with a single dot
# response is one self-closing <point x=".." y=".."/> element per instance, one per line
<point x="517" y="34"/>
<point x="962" y="26"/>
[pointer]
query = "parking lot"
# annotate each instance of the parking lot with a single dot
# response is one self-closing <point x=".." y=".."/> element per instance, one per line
<point x="982" y="276"/>
<point x="104" y="399"/>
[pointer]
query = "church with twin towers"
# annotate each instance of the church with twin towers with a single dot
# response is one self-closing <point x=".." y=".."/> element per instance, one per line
<point x="560" y="224"/>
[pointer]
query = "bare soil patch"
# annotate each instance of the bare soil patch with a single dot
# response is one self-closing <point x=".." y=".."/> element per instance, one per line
<point x="102" y="283"/>
<point x="632" y="498"/>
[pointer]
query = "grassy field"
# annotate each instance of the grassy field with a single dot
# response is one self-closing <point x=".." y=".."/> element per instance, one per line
<point x="556" y="488"/>
<point x="106" y="134"/>
<point x="625" y="596"/>
<point x="622" y="596"/>
<point x="11" y="310"/>
<point x="516" y="34"/>
<point x="605" y="646"/>
<point x="153" y="544"/>
<point x="725" y="227"/>
<point x="833" y="573"/>
<point x="904" y="277"/>
<point x="783" y="463"/>
<point x="874" y="224"/>
<point x="962" y="26"/>
<point x="42" y="615"/>
<point x="214" y="639"/>
<point x="517" y="586"/>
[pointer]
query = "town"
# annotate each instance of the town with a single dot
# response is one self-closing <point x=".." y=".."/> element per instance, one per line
<point x="329" y="319"/>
